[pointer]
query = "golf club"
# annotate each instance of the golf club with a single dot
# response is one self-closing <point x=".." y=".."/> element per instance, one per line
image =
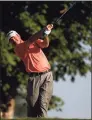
<point x="64" y="12"/>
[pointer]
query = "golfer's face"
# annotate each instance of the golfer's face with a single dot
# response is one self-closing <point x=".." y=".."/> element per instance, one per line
<point x="15" y="40"/>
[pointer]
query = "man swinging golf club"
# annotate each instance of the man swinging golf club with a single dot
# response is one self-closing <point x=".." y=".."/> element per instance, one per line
<point x="40" y="83"/>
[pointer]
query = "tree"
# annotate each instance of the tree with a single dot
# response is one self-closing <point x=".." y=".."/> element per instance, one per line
<point x="70" y="35"/>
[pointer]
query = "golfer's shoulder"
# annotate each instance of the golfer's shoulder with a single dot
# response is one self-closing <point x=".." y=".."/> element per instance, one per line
<point x="20" y="49"/>
<point x="21" y="46"/>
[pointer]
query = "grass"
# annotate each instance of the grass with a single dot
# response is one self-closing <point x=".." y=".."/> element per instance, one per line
<point x="46" y="119"/>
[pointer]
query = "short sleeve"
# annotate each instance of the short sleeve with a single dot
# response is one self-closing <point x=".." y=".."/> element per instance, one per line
<point x="40" y="42"/>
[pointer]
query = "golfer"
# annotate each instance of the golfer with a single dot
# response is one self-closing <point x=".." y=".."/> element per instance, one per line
<point x="40" y="83"/>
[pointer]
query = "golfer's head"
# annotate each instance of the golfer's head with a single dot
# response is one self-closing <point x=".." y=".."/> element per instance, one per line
<point x="13" y="37"/>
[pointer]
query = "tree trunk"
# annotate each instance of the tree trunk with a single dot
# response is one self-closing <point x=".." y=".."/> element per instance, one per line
<point x="9" y="114"/>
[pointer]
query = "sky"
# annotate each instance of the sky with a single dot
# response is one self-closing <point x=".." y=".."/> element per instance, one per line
<point x="77" y="97"/>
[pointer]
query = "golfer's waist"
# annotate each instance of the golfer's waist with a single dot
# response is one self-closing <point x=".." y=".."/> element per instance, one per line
<point x="38" y="73"/>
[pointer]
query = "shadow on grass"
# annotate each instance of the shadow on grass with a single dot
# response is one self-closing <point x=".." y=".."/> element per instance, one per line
<point x="45" y="119"/>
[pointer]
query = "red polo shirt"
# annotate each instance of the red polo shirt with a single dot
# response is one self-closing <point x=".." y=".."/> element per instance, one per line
<point x="33" y="57"/>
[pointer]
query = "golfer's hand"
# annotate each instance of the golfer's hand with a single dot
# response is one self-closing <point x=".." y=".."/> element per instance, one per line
<point x="49" y="26"/>
<point x="47" y="29"/>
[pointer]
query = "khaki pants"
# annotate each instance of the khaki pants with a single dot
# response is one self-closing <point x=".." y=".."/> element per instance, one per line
<point x="39" y="92"/>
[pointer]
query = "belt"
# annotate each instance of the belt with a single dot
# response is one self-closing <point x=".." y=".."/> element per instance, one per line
<point x="38" y="73"/>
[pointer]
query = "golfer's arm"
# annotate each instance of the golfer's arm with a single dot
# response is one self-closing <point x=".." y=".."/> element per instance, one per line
<point x="34" y="37"/>
<point x="46" y="41"/>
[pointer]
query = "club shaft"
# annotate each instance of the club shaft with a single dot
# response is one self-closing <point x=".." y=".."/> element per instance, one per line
<point x="63" y="14"/>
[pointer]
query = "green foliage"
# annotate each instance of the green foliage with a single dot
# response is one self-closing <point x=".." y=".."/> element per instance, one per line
<point x="57" y="103"/>
<point x="6" y="87"/>
<point x="8" y="58"/>
<point x="33" y="22"/>
<point x="69" y="51"/>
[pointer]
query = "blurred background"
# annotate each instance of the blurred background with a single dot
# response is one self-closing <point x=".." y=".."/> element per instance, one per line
<point x="69" y="54"/>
